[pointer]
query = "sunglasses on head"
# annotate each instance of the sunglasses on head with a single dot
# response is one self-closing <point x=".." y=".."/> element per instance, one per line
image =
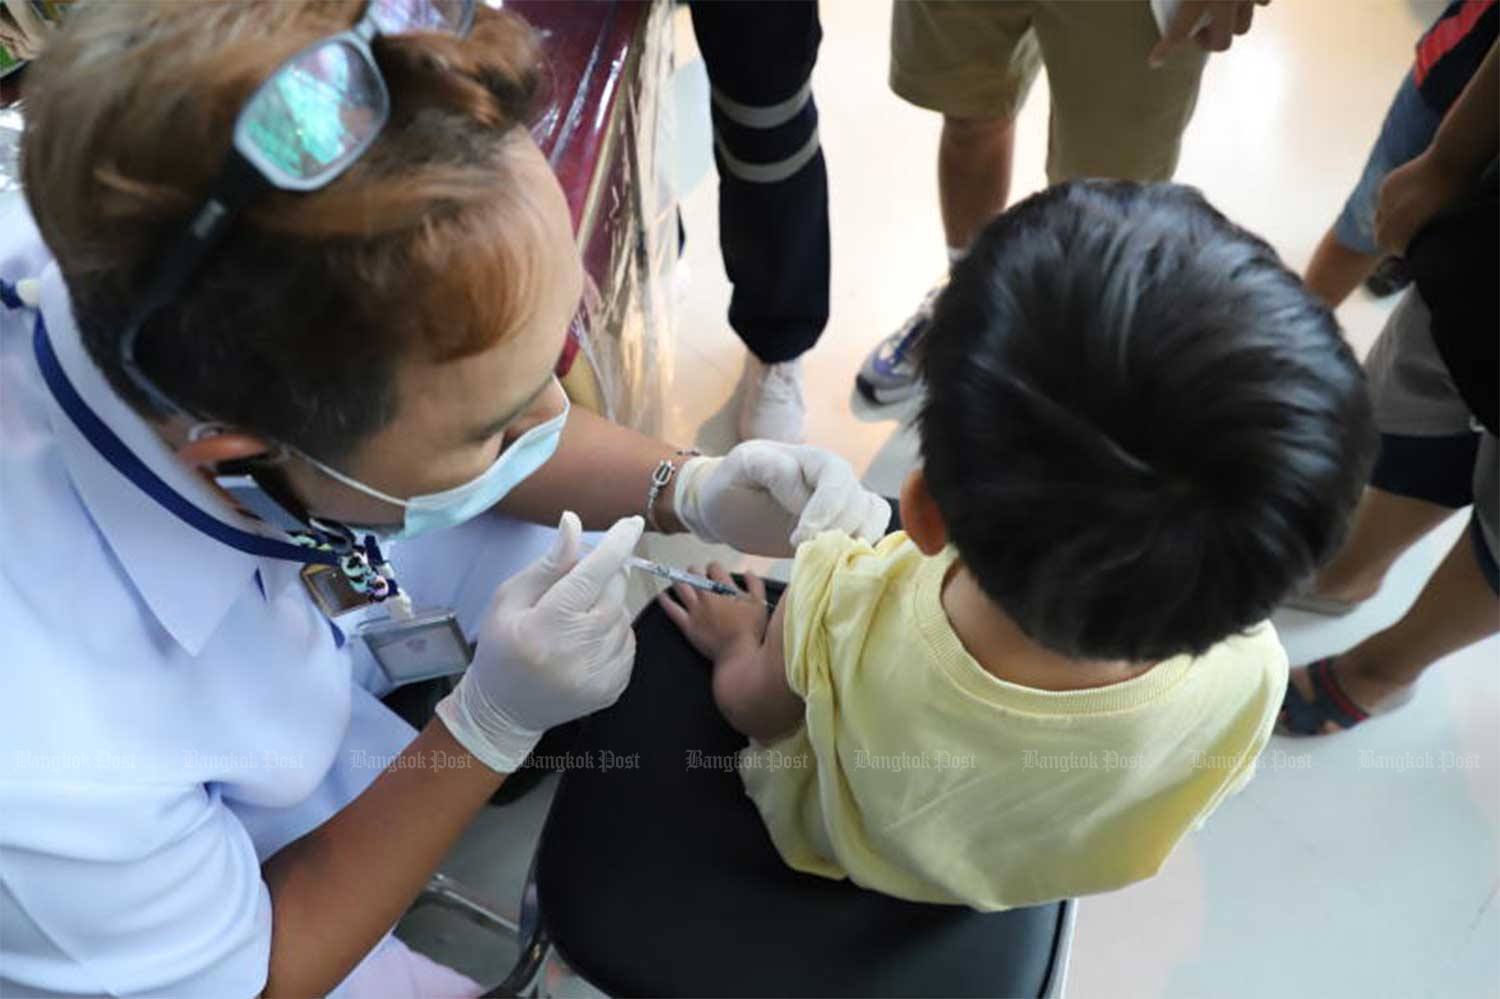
<point x="303" y="127"/>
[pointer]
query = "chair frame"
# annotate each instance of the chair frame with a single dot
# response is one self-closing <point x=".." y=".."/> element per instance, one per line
<point x="538" y="963"/>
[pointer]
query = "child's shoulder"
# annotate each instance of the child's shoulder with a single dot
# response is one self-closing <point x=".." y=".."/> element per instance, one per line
<point x="1259" y="643"/>
<point x="1252" y="660"/>
<point x="834" y="552"/>
<point x="838" y="574"/>
<point x="840" y="586"/>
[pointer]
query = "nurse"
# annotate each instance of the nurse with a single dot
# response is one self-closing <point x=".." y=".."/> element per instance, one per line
<point x="280" y="310"/>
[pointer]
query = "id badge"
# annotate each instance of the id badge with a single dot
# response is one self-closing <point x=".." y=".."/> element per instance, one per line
<point x="331" y="591"/>
<point x="417" y="648"/>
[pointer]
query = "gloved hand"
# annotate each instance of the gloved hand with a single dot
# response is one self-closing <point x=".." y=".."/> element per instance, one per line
<point x="554" y="645"/>
<point x="765" y="498"/>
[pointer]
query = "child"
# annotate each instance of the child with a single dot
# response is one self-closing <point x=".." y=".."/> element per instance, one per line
<point x="1140" y="434"/>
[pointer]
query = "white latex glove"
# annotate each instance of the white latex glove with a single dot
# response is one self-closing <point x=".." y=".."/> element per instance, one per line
<point x="765" y="498"/>
<point x="554" y="645"/>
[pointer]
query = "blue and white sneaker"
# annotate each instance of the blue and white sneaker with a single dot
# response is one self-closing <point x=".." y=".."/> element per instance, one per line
<point x="889" y="373"/>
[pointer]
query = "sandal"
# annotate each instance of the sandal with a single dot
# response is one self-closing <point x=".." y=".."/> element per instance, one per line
<point x="1300" y="716"/>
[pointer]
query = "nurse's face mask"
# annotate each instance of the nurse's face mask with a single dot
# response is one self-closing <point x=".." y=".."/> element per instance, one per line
<point x="307" y="123"/>
<point x="434" y="511"/>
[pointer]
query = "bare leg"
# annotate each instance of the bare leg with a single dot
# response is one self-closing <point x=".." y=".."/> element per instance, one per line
<point x="974" y="161"/>
<point x="1335" y="270"/>
<point x="1385" y="526"/>
<point x="1455" y="609"/>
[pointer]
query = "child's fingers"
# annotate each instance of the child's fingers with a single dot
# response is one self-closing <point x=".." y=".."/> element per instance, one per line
<point x="674" y="611"/>
<point x="755" y="586"/>
<point x="686" y="595"/>
<point x="665" y="598"/>
<point x="719" y="574"/>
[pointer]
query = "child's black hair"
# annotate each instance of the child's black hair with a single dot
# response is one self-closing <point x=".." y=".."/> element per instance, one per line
<point x="1141" y="429"/>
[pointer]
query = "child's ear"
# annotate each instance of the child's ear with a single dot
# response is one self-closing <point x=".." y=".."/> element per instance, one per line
<point x="920" y="517"/>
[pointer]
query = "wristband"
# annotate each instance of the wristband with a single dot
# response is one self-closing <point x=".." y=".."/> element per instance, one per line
<point x="660" y="478"/>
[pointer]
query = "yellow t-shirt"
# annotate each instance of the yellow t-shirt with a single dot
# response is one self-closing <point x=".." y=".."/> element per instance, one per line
<point x="918" y="774"/>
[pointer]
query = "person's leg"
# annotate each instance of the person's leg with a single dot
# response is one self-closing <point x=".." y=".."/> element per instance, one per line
<point x="1112" y="114"/>
<point x="974" y="168"/>
<point x="1427" y="455"/>
<point x="1456" y="608"/>
<point x="1385" y="526"/>
<point x="973" y="63"/>
<point x="1347" y="253"/>
<point x="1431" y="462"/>
<point x="773" y="193"/>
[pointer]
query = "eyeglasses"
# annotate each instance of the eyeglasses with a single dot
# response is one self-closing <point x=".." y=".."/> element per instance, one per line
<point x="309" y="122"/>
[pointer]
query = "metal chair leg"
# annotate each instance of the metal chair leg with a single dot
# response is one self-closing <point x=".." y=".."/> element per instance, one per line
<point x="1062" y="951"/>
<point x="480" y="910"/>
<point x="533" y="942"/>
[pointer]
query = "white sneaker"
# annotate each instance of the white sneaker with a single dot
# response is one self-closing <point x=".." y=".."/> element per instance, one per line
<point x="771" y="406"/>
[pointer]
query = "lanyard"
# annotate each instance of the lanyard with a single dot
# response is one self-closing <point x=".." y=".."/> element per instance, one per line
<point x="406" y="645"/>
<point x="128" y="464"/>
<point x="364" y="567"/>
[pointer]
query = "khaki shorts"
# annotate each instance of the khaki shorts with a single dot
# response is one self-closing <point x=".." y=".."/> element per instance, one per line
<point x="1112" y="115"/>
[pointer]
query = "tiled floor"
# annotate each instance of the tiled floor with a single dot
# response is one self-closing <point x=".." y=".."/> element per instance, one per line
<point x="1333" y="874"/>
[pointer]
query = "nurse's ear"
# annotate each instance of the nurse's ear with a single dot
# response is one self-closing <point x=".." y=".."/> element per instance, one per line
<point x="920" y="516"/>
<point x="208" y="446"/>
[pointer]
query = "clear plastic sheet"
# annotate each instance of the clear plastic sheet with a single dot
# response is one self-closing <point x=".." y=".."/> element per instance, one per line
<point x="608" y="133"/>
<point x="10" y="149"/>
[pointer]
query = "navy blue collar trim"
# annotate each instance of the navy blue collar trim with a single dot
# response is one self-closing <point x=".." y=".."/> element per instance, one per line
<point x="128" y="464"/>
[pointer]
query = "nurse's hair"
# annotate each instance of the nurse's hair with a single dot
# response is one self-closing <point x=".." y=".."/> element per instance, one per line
<point x="1140" y="428"/>
<point x="425" y="247"/>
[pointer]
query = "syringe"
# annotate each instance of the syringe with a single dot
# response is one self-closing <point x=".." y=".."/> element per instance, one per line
<point x="686" y="578"/>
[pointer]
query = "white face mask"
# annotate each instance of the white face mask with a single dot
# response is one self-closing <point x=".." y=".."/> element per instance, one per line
<point x="451" y="507"/>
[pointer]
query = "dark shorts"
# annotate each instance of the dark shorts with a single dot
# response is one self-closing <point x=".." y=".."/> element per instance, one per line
<point x="1430" y="447"/>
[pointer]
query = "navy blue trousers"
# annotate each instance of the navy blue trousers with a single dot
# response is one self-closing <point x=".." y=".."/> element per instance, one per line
<point x="773" y="183"/>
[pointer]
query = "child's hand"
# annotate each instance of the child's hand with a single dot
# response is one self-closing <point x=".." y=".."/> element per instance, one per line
<point x="718" y="627"/>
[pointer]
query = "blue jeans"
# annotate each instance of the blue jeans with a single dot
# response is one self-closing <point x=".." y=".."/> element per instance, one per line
<point x="1408" y="130"/>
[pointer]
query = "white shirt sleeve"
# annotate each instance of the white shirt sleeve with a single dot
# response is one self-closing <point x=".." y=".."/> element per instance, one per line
<point x="125" y="890"/>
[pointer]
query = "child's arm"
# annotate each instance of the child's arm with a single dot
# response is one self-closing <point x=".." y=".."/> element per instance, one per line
<point x="749" y="682"/>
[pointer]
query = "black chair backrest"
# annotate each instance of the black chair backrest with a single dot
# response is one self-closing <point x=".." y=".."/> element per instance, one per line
<point x="656" y="875"/>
